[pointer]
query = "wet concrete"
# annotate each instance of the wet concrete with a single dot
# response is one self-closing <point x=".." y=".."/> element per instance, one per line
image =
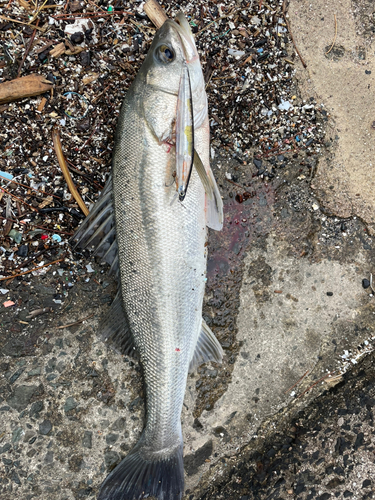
<point x="326" y="451"/>
<point x="304" y="318"/>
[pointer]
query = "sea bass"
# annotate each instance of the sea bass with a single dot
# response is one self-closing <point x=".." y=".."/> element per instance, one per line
<point x="150" y="226"/>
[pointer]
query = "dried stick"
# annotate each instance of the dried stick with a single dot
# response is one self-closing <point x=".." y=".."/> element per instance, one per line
<point x="334" y="40"/>
<point x="298" y="381"/>
<point x="71" y="16"/>
<point x="33" y="190"/>
<point x="31" y="270"/>
<point x="19" y="199"/>
<point x="234" y="183"/>
<point x="27" y="86"/>
<point x="233" y="11"/>
<point x="291" y="34"/>
<point x="28" y="49"/>
<point x="65" y="170"/>
<point x="21" y="22"/>
<point x="155" y="13"/>
<point x="316" y="383"/>
<point x="76" y="322"/>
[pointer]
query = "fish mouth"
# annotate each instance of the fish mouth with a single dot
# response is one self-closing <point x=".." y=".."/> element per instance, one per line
<point x="182" y="27"/>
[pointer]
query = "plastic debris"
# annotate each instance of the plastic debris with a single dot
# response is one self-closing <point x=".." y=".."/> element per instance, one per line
<point x="89" y="268"/>
<point x="44" y="237"/>
<point x="4" y="290"/>
<point x="8" y="303"/>
<point x="7" y="175"/>
<point x="236" y="53"/>
<point x="34" y="232"/>
<point x="56" y="237"/>
<point x="22" y="251"/>
<point x="15" y="236"/>
<point x="79" y="26"/>
<point x="285" y="105"/>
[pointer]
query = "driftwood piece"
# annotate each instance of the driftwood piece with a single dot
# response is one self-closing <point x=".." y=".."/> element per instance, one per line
<point x="155" y="13"/>
<point x="26" y="86"/>
<point x="58" y="50"/>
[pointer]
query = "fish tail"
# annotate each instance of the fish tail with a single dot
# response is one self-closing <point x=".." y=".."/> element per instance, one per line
<point x="142" y="474"/>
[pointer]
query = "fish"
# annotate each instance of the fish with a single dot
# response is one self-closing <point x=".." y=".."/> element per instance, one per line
<point x="150" y="225"/>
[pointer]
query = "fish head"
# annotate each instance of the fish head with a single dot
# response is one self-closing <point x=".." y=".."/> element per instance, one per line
<point x="172" y="49"/>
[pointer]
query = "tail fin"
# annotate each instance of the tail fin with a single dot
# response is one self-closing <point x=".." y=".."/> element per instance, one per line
<point x="138" y="477"/>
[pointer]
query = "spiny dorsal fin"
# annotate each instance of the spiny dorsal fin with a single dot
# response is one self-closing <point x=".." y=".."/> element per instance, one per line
<point x="98" y="229"/>
<point x="207" y="348"/>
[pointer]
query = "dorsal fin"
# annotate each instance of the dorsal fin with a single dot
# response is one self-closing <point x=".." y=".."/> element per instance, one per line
<point x="98" y="230"/>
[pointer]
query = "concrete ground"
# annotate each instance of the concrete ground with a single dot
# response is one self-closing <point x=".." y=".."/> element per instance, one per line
<point x="284" y="296"/>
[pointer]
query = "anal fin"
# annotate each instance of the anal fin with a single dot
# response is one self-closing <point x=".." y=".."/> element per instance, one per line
<point x="215" y="215"/>
<point x="207" y="348"/>
<point x="115" y="327"/>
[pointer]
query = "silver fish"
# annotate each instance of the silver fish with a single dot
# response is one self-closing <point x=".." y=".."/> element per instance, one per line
<point x="156" y="245"/>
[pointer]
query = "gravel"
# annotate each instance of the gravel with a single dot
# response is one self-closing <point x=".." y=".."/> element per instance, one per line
<point x="256" y="112"/>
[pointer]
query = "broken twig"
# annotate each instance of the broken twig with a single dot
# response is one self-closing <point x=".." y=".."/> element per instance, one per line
<point x="316" y="383"/>
<point x="28" y="49"/>
<point x="155" y="13"/>
<point x="76" y="322"/>
<point x="5" y="18"/>
<point x="334" y="40"/>
<point x="19" y="199"/>
<point x="65" y="170"/>
<point x="31" y="270"/>
<point x="291" y="34"/>
<point x="298" y="381"/>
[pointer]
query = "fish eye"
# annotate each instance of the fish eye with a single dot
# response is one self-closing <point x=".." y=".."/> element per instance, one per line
<point x="165" y="54"/>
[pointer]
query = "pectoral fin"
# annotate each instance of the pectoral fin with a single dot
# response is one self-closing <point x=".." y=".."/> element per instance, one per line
<point x="184" y="133"/>
<point x="215" y="215"/>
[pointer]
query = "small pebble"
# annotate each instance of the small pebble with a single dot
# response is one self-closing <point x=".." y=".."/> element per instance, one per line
<point x="45" y="427"/>
<point x="365" y="283"/>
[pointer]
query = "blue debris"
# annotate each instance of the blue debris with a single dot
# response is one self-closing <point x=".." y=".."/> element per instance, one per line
<point x="56" y="237"/>
<point x="7" y="175"/>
